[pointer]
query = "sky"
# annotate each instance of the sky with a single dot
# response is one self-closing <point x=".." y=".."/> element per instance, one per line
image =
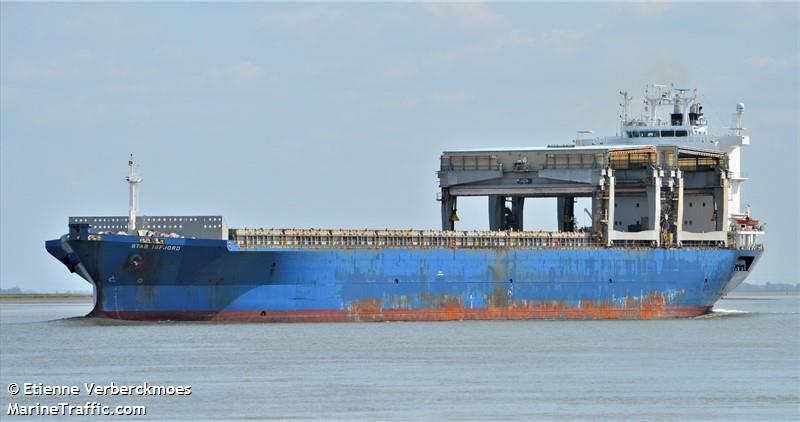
<point x="334" y="115"/>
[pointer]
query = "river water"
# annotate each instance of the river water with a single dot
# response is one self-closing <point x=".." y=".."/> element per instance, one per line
<point x="740" y="363"/>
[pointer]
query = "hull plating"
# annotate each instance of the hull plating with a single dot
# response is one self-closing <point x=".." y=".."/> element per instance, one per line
<point x="185" y="279"/>
<point x="544" y="312"/>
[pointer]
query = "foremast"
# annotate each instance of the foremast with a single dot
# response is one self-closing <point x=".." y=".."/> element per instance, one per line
<point x="133" y="179"/>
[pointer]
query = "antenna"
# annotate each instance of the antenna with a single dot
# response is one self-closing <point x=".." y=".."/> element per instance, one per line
<point x="582" y="132"/>
<point x="626" y="106"/>
<point x="625" y="116"/>
<point x="133" y="179"/>
<point x="737" y="120"/>
<point x="661" y="96"/>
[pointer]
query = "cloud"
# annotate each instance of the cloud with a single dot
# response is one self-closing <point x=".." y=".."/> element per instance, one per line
<point x="108" y="21"/>
<point x="131" y="89"/>
<point x="479" y="53"/>
<point x="91" y="111"/>
<point x="242" y="74"/>
<point x="393" y="101"/>
<point x="97" y="18"/>
<point x="449" y="99"/>
<point x="781" y="62"/>
<point x="650" y="8"/>
<point x="765" y="14"/>
<point x="299" y="17"/>
<point x="490" y="52"/>
<point x="311" y="25"/>
<point x="80" y="64"/>
<point x="8" y="93"/>
<point x="760" y="61"/>
<point x="245" y="73"/>
<point x="172" y="52"/>
<point x="23" y="70"/>
<point x="82" y="55"/>
<point x="114" y="70"/>
<point x="467" y="13"/>
<point x="564" y="42"/>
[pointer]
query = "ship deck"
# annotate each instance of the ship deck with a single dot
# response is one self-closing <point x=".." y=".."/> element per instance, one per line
<point x="247" y="238"/>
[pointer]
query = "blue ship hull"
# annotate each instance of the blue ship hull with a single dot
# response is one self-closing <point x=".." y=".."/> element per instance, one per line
<point x="191" y="279"/>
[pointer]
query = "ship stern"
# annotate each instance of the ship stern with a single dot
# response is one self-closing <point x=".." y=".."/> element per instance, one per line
<point x="745" y="263"/>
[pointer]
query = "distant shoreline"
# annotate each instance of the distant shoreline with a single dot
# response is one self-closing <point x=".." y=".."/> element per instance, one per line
<point x="746" y="293"/>
<point x="24" y="296"/>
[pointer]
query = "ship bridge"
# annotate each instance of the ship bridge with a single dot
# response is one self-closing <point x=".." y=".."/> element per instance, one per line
<point x="641" y="194"/>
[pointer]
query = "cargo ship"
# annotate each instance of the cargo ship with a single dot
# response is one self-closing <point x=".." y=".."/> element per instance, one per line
<point x="666" y="239"/>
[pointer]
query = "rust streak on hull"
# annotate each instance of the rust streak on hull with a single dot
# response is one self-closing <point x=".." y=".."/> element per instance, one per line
<point x="546" y="311"/>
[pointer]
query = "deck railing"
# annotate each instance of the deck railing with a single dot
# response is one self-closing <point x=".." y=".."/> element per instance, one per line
<point x="312" y="238"/>
<point x="350" y="239"/>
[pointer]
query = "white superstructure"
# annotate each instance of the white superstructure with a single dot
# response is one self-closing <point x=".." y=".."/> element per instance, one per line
<point x="683" y="124"/>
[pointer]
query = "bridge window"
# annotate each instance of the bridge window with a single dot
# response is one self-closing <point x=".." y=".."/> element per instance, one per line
<point x="681" y="133"/>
